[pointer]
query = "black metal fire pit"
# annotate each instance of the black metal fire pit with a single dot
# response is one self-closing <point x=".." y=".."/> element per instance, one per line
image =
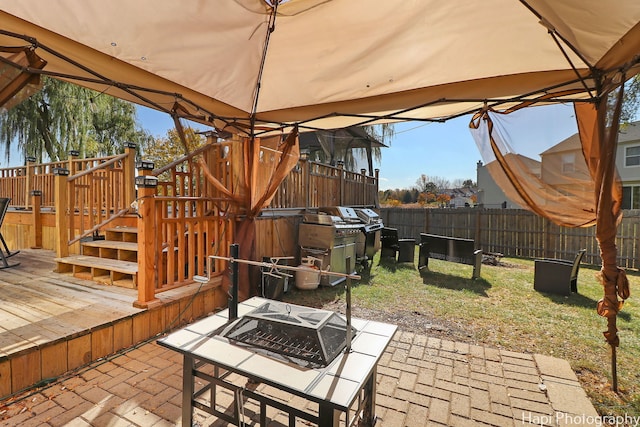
<point x="306" y="336"/>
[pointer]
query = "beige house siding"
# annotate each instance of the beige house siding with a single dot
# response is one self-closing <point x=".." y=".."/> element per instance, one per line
<point x="491" y="196"/>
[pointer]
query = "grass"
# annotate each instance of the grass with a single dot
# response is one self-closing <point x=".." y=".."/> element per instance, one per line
<point x="502" y="310"/>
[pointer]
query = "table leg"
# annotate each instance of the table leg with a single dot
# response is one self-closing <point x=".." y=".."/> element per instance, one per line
<point x="328" y="416"/>
<point x="187" y="391"/>
<point x="368" y="412"/>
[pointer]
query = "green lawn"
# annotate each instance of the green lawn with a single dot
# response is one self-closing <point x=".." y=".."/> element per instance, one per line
<point x="502" y="310"/>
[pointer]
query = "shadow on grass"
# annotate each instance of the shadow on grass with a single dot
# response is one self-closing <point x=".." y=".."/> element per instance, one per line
<point x="578" y="300"/>
<point x="456" y="283"/>
<point x="392" y="265"/>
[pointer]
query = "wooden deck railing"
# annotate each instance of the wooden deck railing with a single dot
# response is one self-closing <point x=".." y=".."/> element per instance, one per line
<point x="90" y="194"/>
<point x="313" y="184"/>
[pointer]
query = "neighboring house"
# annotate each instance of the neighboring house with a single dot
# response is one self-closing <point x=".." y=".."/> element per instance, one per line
<point x="628" y="163"/>
<point x="565" y="157"/>
<point x="490" y="195"/>
<point x="461" y="197"/>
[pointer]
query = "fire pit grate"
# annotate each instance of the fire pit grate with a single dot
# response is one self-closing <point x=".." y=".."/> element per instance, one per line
<point x="306" y="336"/>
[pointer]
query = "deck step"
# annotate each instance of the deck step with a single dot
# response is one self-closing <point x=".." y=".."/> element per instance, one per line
<point x="112" y="244"/>
<point x="103" y="270"/>
<point x="124" y="234"/>
<point x="111" y="249"/>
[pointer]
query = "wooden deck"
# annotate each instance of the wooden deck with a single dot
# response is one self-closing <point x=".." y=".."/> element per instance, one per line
<point x="51" y="323"/>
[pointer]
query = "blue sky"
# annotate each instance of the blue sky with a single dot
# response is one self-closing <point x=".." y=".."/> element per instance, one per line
<point x="444" y="150"/>
<point x="449" y="151"/>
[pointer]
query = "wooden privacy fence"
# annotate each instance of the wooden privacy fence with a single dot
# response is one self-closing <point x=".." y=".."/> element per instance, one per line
<point x="516" y="232"/>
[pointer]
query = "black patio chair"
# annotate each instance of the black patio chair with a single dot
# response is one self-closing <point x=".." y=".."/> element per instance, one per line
<point x="557" y="276"/>
<point x="4" y="250"/>
<point x="390" y="243"/>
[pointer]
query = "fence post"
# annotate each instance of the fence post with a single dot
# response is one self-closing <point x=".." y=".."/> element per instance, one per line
<point x="477" y="233"/>
<point x="146" y="243"/>
<point x="60" y="176"/>
<point x="36" y="201"/>
<point x="29" y="183"/>
<point x="129" y="174"/>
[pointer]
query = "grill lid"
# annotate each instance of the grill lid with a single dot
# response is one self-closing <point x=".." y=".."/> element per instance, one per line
<point x="305" y="336"/>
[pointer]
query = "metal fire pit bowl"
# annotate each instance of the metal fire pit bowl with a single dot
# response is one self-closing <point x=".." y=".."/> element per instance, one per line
<point x="306" y="336"/>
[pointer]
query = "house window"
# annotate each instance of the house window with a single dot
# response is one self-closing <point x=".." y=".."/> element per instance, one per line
<point x="569" y="163"/>
<point x="632" y="156"/>
<point x="631" y="197"/>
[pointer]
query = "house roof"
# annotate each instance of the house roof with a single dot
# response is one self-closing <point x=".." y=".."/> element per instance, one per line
<point x="570" y="144"/>
<point x="630" y="133"/>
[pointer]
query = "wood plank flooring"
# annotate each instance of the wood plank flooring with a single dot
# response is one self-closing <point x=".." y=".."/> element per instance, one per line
<point x="38" y="305"/>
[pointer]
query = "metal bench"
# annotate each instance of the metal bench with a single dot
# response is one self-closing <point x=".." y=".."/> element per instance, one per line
<point x="451" y="249"/>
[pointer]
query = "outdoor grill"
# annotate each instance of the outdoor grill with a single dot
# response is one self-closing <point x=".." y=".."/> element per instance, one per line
<point x="305" y="336"/>
<point x="371" y="229"/>
<point x="331" y="235"/>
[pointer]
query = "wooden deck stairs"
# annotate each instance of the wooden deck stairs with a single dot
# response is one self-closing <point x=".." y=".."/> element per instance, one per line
<point x="110" y="261"/>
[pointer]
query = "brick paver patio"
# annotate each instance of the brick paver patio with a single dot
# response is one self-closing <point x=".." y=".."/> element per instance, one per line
<point x="422" y="381"/>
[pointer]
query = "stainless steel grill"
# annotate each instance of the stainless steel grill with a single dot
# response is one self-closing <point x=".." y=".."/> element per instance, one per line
<point x="331" y="239"/>
<point x="305" y="336"/>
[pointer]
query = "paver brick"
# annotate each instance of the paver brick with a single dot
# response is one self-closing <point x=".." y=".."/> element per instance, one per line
<point x="407" y="380"/>
<point x="141" y="416"/>
<point x="68" y="415"/>
<point x="416" y="415"/>
<point x="461" y="405"/>
<point x="498" y="393"/>
<point x="492" y="419"/>
<point x="94" y="394"/>
<point x="444" y="372"/>
<point x="68" y="400"/>
<point x="458" y="421"/>
<point x="480" y="399"/>
<point x="439" y="411"/>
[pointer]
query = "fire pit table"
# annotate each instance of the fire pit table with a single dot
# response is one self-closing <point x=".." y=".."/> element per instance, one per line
<point x="337" y="386"/>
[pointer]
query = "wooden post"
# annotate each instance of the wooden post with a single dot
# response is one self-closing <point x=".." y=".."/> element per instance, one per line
<point x="341" y="190"/>
<point x="60" y="176"/>
<point x="72" y="165"/>
<point x="376" y="196"/>
<point x="363" y="193"/>
<point x="147" y="265"/>
<point x="129" y="174"/>
<point x="36" y="201"/>
<point x="477" y="235"/>
<point x="29" y="179"/>
<point x="306" y="170"/>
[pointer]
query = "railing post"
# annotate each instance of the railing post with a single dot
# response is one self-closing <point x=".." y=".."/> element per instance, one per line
<point x="363" y="193"/>
<point x="36" y="202"/>
<point x="341" y="172"/>
<point x="146" y="243"/>
<point x="129" y="173"/>
<point x="60" y="176"/>
<point x="377" y="188"/>
<point x="307" y="182"/>
<point x="72" y="165"/>
<point x="29" y="179"/>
